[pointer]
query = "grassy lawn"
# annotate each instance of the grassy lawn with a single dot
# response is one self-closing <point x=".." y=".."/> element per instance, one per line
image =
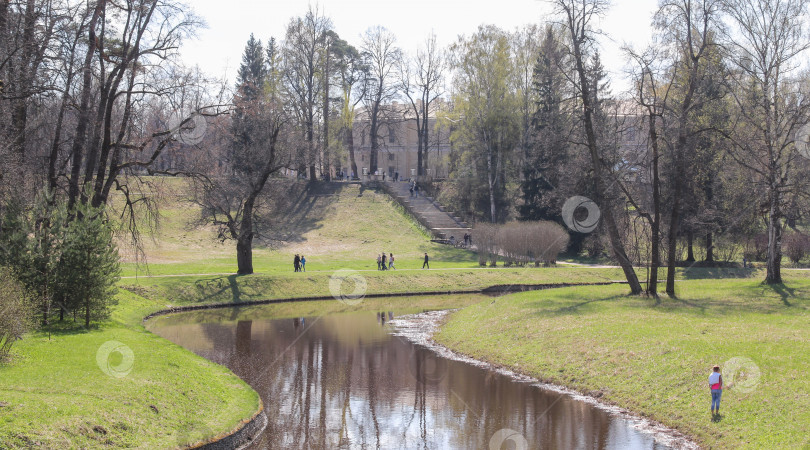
<point x="56" y="394"/>
<point x="654" y="359"/>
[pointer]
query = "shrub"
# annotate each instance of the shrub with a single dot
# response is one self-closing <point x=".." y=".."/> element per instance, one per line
<point x="484" y="238"/>
<point x="16" y="312"/>
<point x="756" y="247"/>
<point x="520" y="242"/>
<point x="796" y="246"/>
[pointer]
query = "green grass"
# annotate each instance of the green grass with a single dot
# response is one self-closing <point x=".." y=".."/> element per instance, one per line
<point x="654" y="359"/>
<point x="56" y="395"/>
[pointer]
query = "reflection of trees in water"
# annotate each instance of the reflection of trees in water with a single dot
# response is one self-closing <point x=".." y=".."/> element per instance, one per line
<point x="340" y="382"/>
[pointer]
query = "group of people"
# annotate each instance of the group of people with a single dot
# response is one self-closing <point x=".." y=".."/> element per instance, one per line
<point x="467" y="240"/>
<point x="300" y="263"/>
<point x="414" y="189"/>
<point x="385" y="262"/>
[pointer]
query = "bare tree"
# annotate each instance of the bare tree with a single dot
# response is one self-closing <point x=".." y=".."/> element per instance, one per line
<point x="256" y="147"/>
<point x="577" y="17"/>
<point x="767" y="41"/>
<point x="382" y="58"/>
<point x="353" y="74"/>
<point x="670" y="85"/>
<point x="304" y="47"/>
<point x="650" y="95"/>
<point x="421" y="80"/>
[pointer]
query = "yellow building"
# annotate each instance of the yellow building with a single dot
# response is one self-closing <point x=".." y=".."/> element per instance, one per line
<point x="398" y="143"/>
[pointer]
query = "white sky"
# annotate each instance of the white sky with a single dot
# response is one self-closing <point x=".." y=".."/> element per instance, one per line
<point x="218" y="49"/>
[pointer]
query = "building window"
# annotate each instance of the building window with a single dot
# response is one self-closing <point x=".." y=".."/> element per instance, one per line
<point x="392" y="137"/>
<point x="390" y="156"/>
<point x="362" y="157"/>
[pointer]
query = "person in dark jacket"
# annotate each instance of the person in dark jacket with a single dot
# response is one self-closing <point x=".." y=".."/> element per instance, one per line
<point x="427" y="262"/>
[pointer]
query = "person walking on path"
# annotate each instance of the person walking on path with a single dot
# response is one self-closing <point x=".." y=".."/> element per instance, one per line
<point x="297" y="263"/>
<point x="384" y="266"/>
<point x="415" y="190"/>
<point x="716" y="387"/>
<point x="427" y="262"/>
<point x="391" y="262"/>
<point x="379" y="261"/>
<point x="410" y="189"/>
<point x="303" y="264"/>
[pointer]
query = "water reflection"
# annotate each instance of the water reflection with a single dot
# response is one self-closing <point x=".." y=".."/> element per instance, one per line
<point x="342" y="381"/>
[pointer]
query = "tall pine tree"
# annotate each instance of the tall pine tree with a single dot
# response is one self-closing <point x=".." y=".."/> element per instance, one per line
<point x="547" y="154"/>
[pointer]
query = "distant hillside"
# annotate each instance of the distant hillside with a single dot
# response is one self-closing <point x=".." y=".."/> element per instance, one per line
<point x="334" y="225"/>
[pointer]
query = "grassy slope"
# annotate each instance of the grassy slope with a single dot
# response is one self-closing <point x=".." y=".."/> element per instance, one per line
<point x="654" y="359"/>
<point x="334" y="226"/>
<point x="341" y="227"/>
<point x="57" y="396"/>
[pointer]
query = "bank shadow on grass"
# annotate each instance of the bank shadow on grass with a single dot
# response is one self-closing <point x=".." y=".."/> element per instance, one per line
<point x="569" y="307"/>
<point x="224" y="289"/>
<point x="716" y="273"/>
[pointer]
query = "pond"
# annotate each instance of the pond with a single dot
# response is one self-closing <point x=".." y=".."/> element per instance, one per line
<point x="347" y="380"/>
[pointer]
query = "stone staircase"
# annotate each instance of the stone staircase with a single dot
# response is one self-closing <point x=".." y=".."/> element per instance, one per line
<point x="426" y="211"/>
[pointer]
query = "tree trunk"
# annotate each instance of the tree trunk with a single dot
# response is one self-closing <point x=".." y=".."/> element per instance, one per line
<point x="46" y="309"/>
<point x="596" y="161"/>
<point x="655" y="226"/>
<point x="350" y="146"/>
<point x="709" y="247"/>
<point x="774" y="258"/>
<point x="690" y="247"/>
<point x="419" y="149"/>
<point x="372" y="165"/>
<point x="244" y="241"/>
<point x="349" y="139"/>
<point x="244" y="254"/>
<point x="491" y="182"/>
<point x="80" y="138"/>
<point x="674" y="218"/>
<point x="326" y="166"/>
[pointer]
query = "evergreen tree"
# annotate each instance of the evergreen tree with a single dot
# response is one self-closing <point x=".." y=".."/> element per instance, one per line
<point x="88" y="267"/>
<point x="250" y="85"/>
<point x="252" y="72"/>
<point x="32" y="246"/>
<point x="548" y="152"/>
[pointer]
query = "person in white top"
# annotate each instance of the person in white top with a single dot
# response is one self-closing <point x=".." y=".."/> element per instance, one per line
<point x="716" y="387"/>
